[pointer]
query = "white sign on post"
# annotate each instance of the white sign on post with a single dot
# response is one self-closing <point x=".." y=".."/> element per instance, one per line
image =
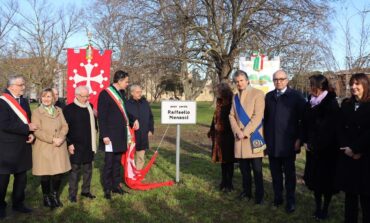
<point x="178" y="112"/>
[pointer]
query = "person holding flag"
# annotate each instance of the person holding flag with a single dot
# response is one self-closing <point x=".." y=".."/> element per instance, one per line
<point x="246" y="123"/>
<point x="15" y="143"/>
<point x="114" y="131"/>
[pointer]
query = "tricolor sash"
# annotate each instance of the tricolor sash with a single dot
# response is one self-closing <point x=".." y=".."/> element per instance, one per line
<point x="121" y="105"/>
<point x="132" y="176"/>
<point x="257" y="140"/>
<point x="16" y="107"/>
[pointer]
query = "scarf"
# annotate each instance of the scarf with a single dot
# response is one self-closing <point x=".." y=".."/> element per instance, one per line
<point x="317" y="100"/>
<point x="49" y="109"/>
<point x="92" y="122"/>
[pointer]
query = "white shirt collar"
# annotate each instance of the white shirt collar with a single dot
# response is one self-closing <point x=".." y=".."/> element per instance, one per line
<point x="282" y="91"/>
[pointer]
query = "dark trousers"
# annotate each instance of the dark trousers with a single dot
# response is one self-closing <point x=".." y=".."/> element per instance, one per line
<point x="255" y="164"/>
<point x="112" y="170"/>
<point x="280" y="167"/>
<point x="19" y="186"/>
<point x="74" y="177"/>
<point x="227" y="171"/>
<point x="351" y="208"/>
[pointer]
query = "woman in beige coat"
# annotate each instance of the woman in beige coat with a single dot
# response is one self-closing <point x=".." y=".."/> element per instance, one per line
<point x="50" y="156"/>
<point x="252" y="102"/>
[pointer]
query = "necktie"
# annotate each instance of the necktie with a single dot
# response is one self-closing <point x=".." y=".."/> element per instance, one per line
<point x="279" y="93"/>
<point x="19" y="100"/>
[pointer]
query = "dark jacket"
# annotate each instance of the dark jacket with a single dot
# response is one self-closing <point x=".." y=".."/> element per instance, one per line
<point x="222" y="135"/>
<point x="15" y="153"/>
<point x="111" y="122"/>
<point x="140" y="110"/>
<point x="318" y="124"/>
<point x="60" y="104"/>
<point x="79" y="133"/>
<point x="354" y="132"/>
<point x="282" y="121"/>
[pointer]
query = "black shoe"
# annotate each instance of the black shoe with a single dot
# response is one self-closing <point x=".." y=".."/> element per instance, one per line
<point x="259" y="202"/>
<point x="22" y="209"/>
<point x="290" y="208"/>
<point x="118" y="190"/>
<point x="323" y="215"/>
<point x="88" y="195"/>
<point x="55" y="199"/>
<point x="277" y="203"/>
<point x="2" y="213"/>
<point x="316" y="214"/>
<point x="107" y="195"/>
<point x="48" y="201"/>
<point x="244" y="195"/>
<point x="72" y="199"/>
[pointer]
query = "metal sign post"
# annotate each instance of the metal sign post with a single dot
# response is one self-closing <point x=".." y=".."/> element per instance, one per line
<point x="178" y="112"/>
<point x="177" y="153"/>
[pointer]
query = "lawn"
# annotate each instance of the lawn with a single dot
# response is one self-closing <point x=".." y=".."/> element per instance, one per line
<point x="194" y="199"/>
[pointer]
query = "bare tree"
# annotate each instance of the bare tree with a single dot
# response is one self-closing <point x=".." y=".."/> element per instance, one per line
<point x="8" y="10"/>
<point x="42" y="33"/>
<point x="356" y="41"/>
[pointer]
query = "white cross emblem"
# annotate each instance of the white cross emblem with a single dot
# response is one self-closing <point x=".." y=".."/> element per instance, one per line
<point x="88" y="68"/>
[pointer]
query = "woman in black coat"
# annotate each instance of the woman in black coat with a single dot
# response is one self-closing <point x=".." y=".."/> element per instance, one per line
<point x="320" y="117"/>
<point x="139" y="109"/>
<point x="354" y="159"/>
<point x="223" y="137"/>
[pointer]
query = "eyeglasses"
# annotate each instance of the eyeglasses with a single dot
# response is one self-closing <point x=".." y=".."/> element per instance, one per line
<point x="20" y="85"/>
<point x="279" y="79"/>
<point x="82" y="96"/>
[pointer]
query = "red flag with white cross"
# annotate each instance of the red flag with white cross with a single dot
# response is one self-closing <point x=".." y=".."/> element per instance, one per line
<point x="89" y="67"/>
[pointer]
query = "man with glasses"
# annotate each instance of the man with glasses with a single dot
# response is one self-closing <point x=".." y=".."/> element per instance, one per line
<point x="81" y="140"/>
<point x="282" y="121"/>
<point x="15" y="144"/>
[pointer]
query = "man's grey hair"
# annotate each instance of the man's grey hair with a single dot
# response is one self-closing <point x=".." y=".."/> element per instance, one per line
<point x="278" y="71"/>
<point x="133" y="87"/>
<point x="79" y="88"/>
<point x="12" y="79"/>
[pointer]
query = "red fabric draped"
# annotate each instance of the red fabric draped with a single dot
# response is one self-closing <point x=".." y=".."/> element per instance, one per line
<point x="134" y="177"/>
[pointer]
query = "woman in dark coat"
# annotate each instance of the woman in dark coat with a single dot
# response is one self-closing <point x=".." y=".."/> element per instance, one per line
<point x="320" y="117"/>
<point x="138" y="108"/>
<point x="223" y="137"/>
<point x="354" y="158"/>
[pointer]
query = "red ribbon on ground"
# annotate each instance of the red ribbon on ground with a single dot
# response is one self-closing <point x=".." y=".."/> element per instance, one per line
<point x="134" y="177"/>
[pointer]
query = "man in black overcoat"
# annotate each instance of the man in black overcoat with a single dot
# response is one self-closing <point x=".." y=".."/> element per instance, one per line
<point x="15" y="144"/>
<point x="81" y="140"/>
<point x="139" y="108"/>
<point x="113" y="133"/>
<point x="59" y="103"/>
<point x="282" y="120"/>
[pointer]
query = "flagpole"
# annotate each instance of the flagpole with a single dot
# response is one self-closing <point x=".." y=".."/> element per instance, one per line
<point x="178" y="153"/>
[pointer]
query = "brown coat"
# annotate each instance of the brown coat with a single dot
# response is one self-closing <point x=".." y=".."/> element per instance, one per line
<point x="48" y="159"/>
<point x="253" y="102"/>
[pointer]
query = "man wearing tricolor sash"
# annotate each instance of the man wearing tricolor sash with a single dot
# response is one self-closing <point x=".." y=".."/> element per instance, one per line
<point x="246" y="123"/>
<point x="15" y="143"/>
<point x="114" y="131"/>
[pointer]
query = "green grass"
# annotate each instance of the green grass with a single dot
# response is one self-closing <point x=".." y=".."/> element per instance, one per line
<point x="194" y="199"/>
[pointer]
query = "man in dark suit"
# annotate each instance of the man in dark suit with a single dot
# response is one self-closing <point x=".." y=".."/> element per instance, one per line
<point x="81" y="140"/>
<point x="59" y="103"/>
<point x="113" y="125"/>
<point x="15" y="144"/>
<point x="282" y="120"/>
